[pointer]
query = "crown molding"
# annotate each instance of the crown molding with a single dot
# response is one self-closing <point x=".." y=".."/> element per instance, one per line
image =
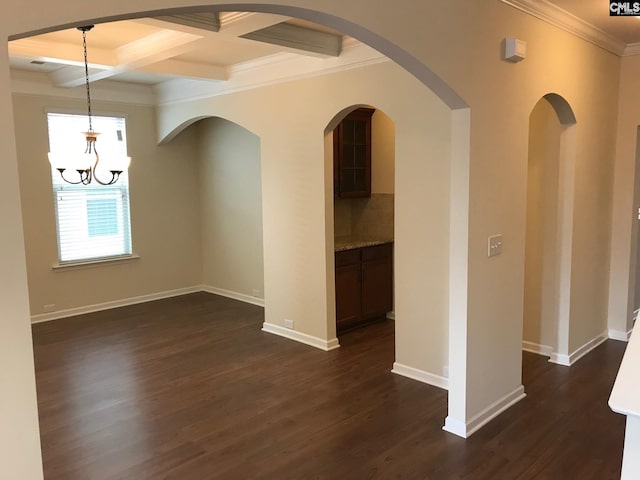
<point x="632" y="49"/>
<point x="39" y="84"/>
<point x="269" y="70"/>
<point x="558" y="17"/>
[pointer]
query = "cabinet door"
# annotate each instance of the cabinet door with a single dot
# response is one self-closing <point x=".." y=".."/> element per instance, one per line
<point x="377" y="287"/>
<point x="352" y="155"/>
<point x="348" y="298"/>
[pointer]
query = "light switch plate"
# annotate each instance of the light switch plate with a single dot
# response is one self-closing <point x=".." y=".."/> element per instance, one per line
<point x="494" y="245"/>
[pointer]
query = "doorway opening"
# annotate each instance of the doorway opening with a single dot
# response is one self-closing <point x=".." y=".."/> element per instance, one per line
<point x="363" y="214"/>
<point x="549" y="229"/>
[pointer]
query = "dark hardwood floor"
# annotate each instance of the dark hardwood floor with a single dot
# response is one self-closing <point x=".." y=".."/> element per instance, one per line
<point x="190" y="388"/>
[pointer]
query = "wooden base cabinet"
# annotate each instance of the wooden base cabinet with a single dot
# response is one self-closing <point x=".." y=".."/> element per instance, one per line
<point x="364" y="285"/>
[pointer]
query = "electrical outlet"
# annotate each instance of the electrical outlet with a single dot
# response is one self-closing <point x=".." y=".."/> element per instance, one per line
<point x="494" y="245"/>
<point x="51" y="307"/>
<point x="445" y="371"/>
<point x="256" y="292"/>
<point x="288" y="324"/>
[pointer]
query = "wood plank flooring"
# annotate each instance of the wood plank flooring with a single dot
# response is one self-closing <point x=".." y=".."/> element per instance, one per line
<point x="190" y="388"/>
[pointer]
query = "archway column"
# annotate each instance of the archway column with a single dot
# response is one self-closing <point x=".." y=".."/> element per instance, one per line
<point x="566" y="194"/>
<point x="457" y="419"/>
<point x="20" y="455"/>
<point x="549" y="248"/>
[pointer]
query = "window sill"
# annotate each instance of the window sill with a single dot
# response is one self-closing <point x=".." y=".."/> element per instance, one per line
<point x="94" y="263"/>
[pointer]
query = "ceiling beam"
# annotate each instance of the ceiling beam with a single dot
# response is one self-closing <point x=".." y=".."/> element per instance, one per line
<point x="238" y="24"/>
<point x="72" y="76"/>
<point x="233" y="24"/>
<point x="265" y="28"/>
<point x="299" y="40"/>
<point x="155" y="47"/>
<point x="180" y="68"/>
<point x="62" y="53"/>
<point x="135" y="55"/>
<point x="209" y="21"/>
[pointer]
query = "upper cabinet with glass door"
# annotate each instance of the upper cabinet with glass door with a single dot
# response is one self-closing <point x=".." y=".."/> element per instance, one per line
<point x="352" y="155"/>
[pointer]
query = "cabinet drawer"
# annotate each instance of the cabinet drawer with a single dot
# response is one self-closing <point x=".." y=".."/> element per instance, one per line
<point x="348" y="257"/>
<point x="376" y="252"/>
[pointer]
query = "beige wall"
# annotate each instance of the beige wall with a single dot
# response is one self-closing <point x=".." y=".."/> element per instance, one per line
<point x="469" y="73"/>
<point x="230" y="207"/>
<point x="541" y="260"/>
<point x="624" y="230"/>
<point x="299" y="278"/>
<point x="164" y="212"/>
<point x="383" y="153"/>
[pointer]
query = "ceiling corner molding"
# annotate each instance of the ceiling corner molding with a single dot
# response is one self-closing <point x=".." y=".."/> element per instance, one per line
<point x="558" y="17"/>
<point x="206" y="20"/>
<point x="632" y="49"/>
<point x="299" y="38"/>
<point x="271" y="70"/>
<point x="38" y="84"/>
<point x="230" y="17"/>
<point x="350" y="43"/>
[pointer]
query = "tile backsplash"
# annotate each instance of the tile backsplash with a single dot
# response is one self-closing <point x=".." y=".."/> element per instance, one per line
<point x="364" y="217"/>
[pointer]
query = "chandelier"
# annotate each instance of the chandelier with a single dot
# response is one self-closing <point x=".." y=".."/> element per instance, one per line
<point x="86" y="164"/>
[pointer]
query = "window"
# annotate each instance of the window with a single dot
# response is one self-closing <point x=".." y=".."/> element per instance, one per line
<point x="92" y="221"/>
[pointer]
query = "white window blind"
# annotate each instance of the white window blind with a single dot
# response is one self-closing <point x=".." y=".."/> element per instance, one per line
<point x="92" y="220"/>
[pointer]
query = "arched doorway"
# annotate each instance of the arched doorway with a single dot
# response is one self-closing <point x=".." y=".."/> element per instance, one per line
<point x="549" y="229"/>
<point x="16" y="305"/>
<point x="362" y="152"/>
<point x="231" y="209"/>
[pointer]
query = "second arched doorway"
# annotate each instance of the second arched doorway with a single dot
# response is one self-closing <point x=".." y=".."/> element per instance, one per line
<point x="549" y="229"/>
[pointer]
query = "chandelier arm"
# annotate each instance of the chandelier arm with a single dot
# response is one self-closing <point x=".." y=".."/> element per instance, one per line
<point x="114" y="178"/>
<point x="80" y="172"/>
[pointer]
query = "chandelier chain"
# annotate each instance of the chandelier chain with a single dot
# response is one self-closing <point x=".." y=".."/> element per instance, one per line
<point x="88" y="163"/>
<point x="86" y="76"/>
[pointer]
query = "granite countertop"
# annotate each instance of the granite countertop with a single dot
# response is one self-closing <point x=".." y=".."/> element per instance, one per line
<point x="349" y="243"/>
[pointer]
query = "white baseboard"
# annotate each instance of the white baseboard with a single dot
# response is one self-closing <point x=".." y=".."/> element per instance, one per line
<point x="465" y="430"/>
<point x="234" y="295"/>
<point x="620" y="335"/>
<point x="391" y="315"/>
<point x="455" y="426"/>
<point x="537" y="348"/>
<point x="560" y="359"/>
<point x="70" y="312"/>
<point x="46" y="317"/>
<point x="420" y="375"/>
<point x="301" y="337"/>
<point x="568" y="360"/>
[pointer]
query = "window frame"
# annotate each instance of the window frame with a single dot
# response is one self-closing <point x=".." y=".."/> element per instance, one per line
<point x="124" y="216"/>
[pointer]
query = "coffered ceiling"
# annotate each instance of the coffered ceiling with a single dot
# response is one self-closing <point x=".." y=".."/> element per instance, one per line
<point x="151" y="51"/>
<point x="221" y="48"/>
